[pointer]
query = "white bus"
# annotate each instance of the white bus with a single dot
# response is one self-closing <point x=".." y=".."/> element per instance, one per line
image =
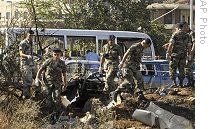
<point x="77" y="41"/>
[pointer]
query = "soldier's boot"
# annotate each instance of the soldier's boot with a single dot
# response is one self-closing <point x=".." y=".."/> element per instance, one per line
<point x="52" y="119"/>
<point x="191" y="83"/>
<point x="173" y="84"/>
<point x="181" y="83"/>
<point x="141" y="96"/>
<point x="26" y="92"/>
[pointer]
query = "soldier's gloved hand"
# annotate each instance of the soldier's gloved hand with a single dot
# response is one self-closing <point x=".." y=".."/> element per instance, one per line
<point x="36" y="82"/>
<point x="100" y="70"/>
<point x="168" y="56"/>
<point x="29" y="56"/>
<point x="189" y="57"/>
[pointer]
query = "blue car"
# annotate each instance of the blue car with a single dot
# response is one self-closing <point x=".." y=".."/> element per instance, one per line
<point x="156" y="73"/>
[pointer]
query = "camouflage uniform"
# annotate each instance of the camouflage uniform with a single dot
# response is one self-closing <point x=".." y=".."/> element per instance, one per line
<point x="131" y="70"/>
<point x="53" y="82"/>
<point x="111" y="56"/>
<point x="27" y="66"/>
<point x="179" y="54"/>
<point x="188" y="69"/>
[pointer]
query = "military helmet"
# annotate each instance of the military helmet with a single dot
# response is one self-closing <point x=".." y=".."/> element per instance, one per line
<point x="147" y="41"/>
<point x="112" y="37"/>
<point x="57" y="50"/>
<point x="30" y="31"/>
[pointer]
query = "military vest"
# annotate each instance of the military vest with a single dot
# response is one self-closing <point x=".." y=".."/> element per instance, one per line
<point x="135" y="53"/>
<point x="112" y="53"/>
<point x="26" y="47"/>
<point x="54" y="70"/>
<point x="180" y="46"/>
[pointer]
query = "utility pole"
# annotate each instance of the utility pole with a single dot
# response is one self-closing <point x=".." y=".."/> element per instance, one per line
<point x="191" y="14"/>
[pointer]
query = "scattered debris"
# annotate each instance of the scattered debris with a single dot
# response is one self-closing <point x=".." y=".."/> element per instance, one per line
<point x="153" y="115"/>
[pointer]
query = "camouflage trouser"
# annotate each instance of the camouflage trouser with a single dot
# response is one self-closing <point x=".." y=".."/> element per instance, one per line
<point x="27" y="77"/>
<point x="111" y="73"/>
<point x="189" y="70"/>
<point x="189" y="73"/>
<point x="174" y="64"/>
<point x="131" y="78"/>
<point x="52" y="93"/>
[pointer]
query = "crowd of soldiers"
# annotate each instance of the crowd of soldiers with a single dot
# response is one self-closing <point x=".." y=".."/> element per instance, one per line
<point x="179" y="50"/>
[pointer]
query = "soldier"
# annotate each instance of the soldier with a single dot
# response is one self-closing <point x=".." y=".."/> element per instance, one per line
<point x="110" y="59"/>
<point x="130" y="63"/>
<point x="188" y="69"/>
<point x="26" y="63"/>
<point x="178" y="50"/>
<point x="55" y="80"/>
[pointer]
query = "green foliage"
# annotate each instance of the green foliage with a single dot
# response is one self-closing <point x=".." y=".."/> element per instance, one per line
<point x="109" y="15"/>
<point x="159" y="36"/>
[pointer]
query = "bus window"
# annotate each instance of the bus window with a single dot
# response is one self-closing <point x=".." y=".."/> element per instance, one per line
<point x="147" y="53"/>
<point x="19" y="36"/>
<point x="125" y="43"/>
<point x="52" y="40"/>
<point x="101" y="43"/>
<point x="79" y="44"/>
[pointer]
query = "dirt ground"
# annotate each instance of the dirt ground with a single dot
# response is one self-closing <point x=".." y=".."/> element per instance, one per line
<point x="181" y="103"/>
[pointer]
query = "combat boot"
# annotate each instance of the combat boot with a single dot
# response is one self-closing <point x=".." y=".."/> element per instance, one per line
<point x="181" y="83"/>
<point x="191" y="83"/>
<point x="173" y="84"/>
<point x="141" y="96"/>
<point x="52" y="119"/>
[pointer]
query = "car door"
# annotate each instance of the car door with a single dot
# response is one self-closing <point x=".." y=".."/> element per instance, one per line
<point x="156" y="74"/>
<point x="149" y="75"/>
<point x="163" y="73"/>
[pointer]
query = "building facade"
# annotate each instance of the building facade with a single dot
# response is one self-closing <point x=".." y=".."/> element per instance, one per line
<point x="172" y="13"/>
<point x="11" y="13"/>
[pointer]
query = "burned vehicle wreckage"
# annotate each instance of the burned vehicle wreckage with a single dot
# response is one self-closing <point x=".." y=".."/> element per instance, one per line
<point x="84" y="83"/>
